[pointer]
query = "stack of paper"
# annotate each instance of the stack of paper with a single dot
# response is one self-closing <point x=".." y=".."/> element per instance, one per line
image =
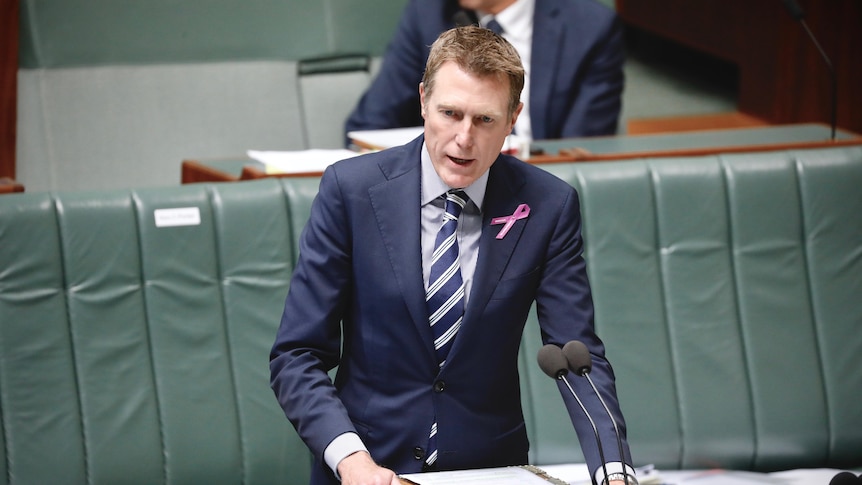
<point x="383" y="139"/>
<point x="301" y="161"/>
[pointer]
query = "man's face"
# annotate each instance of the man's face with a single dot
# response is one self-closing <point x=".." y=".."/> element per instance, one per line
<point x="466" y="122"/>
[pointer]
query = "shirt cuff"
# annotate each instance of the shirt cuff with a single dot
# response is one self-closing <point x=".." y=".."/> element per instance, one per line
<point x="340" y="448"/>
<point x="613" y="467"/>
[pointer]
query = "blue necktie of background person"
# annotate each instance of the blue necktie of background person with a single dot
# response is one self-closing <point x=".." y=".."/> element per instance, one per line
<point x="494" y="26"/>
<point x="445" y="294"/>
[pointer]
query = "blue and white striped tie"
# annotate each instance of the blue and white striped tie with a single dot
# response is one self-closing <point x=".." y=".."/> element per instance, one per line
<point x="445" y="294"/>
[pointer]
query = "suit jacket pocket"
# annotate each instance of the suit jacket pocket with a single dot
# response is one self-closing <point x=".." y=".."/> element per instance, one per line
<point x="523" y="285"/>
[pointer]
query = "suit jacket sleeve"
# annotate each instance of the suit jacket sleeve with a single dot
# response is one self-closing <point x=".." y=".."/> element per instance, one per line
<point x="565" y="311"/>
<point x="309" y="336"/>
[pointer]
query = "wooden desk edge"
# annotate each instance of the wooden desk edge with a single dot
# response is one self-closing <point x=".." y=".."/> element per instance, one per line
<point x="364" y="146"/>
<point x="10" y="186"/>
<point x="251" y="173"/>
<point x="194" y="171"/>
<point x="689" y="152"/>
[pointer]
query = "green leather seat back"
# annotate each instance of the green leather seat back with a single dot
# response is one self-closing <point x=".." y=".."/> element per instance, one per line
<point x="134" y="353"/>
<point x="103" y="283"/>
<point x="39" y="397"/>
<point x="777" y="329"/>
<point x="727" y="292"/>
<point x="832" y="215"/>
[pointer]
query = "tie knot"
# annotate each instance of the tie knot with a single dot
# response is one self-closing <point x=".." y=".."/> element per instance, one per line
<point x="494" y="27"/>
<point x="456" y="199"/>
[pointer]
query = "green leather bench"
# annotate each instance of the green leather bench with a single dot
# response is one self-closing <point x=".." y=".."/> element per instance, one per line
<point x="135" y="325"/>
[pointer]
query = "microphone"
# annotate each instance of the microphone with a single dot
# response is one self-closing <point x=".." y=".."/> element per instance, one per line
<point x="463" y="18"/>
<point x="798" y="14"/>
<point x="581" y="363"/>
<point x="845" y="478"/>
<point x="554" y="364"/>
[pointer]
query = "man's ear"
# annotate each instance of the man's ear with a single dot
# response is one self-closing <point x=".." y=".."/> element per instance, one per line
<point x="422" y="99"/>
<point x="515" y="115"/>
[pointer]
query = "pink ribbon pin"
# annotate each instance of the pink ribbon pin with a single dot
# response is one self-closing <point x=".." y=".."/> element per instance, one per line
<point x="521" y="212"/>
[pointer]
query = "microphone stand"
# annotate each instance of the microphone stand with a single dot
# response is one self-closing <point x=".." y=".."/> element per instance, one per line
<point x="616" y="430"/>
<point x="593" y="424"/>
<point x="799" y="15"/>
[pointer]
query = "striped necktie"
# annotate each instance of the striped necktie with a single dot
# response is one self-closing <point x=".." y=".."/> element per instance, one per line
<point x="445" y="294"/>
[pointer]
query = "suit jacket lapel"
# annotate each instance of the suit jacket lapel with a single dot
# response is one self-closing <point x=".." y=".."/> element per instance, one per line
<point x="501" y="199"/>
<point x="393" y="215"/>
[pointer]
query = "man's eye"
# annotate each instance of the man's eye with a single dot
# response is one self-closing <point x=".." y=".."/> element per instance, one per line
<point x="487" y="119"/>
<point x="448" y="113"/>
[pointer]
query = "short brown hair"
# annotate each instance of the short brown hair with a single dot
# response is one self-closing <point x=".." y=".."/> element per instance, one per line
<point x="480" y="52"/>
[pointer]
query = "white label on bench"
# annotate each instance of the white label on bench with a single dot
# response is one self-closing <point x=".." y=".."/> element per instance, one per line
<point x="182" y="216"/>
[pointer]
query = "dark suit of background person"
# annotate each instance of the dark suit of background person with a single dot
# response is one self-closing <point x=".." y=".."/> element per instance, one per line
<point x="576" y="78"/>
<point x="365" y="221"/>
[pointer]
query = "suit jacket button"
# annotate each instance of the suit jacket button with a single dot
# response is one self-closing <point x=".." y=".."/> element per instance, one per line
<point x="439" y="386"/>
<point x="418" y="453"/>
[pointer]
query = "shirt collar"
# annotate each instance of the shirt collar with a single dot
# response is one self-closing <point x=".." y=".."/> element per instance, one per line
<point x="515" y="19"/>
<point x="433" y="186"/>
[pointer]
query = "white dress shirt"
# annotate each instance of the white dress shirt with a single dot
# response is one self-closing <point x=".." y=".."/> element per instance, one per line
<point x="517" y="23"/>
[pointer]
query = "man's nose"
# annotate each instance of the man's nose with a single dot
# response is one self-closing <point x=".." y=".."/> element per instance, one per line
<point x="464" y="133"/>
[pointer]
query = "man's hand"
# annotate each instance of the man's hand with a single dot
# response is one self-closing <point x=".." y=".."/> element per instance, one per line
<point x="360" y="469"/>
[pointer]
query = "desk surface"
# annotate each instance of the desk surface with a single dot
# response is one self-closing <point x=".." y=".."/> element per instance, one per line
<point x="774" y="137"/>
<point x="695" y="142"/>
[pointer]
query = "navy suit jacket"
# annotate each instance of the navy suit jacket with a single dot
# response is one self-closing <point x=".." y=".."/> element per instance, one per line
<point x="357" y="300"/>
<point x="576" y="78"/>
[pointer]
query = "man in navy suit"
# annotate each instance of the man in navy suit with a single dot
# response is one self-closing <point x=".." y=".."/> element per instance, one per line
<point x="572" y="50"/>
<point x="357" y="298"/>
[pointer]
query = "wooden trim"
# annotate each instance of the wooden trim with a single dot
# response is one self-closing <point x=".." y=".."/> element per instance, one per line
<point x="9" y="29"/>
<point x="361" y="146"/>
<point x="196" y="172"/>
<point x="582" y="156"/>
<point x="679" y="124"/>
<point x="251" y="173"/>
<point x="8" y="186"/>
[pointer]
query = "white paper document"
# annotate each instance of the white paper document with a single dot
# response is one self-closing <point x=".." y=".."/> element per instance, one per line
<point x="578" y="474"/>
<point x="388" y="138"/>
<point x="489" y="476"/>
<point x="300" y="161"/>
